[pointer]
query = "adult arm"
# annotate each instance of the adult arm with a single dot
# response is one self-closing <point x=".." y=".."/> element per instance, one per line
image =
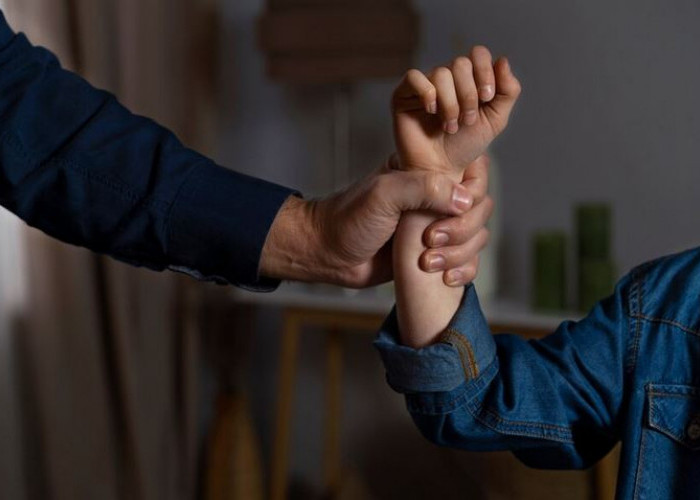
<point x="79" y="166"/>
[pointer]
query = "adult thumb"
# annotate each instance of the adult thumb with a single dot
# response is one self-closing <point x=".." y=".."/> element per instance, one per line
<point x="424" y="190"/>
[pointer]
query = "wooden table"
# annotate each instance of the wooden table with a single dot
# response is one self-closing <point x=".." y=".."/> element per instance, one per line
<point x="335" y="310"/>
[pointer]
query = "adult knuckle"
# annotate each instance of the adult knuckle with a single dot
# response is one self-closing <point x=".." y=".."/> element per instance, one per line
<point x="465" y="224"/>
<point x="378" y="188"/>
<point x="378" y="183"/>
<point x="500" y="125"/>
<point x="432" y="184"/>
<point x="354" y="278"/>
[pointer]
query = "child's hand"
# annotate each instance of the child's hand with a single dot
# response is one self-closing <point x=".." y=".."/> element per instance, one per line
<point x="446" y="120"/>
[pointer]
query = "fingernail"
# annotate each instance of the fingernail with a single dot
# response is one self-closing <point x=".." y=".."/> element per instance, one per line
<point x="486" y="92"/>
<point x="454" y="278"/>
<point x="452" y="127"/>
<point x="461" y="198"/>
<point x="432" y="108"/>
<point x="439" y="239"/>
<point x="436" y="262"/>
<point x="471" y="117"/>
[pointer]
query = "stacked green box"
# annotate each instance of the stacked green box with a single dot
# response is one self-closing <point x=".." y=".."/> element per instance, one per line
<point x="549" y="284"/>
<point x="596" y="270"/>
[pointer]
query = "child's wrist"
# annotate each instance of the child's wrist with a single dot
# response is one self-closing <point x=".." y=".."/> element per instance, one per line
<point x="396" y="163"/>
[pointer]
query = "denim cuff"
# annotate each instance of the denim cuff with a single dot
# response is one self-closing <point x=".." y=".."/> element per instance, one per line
<point x="462" y="353"/>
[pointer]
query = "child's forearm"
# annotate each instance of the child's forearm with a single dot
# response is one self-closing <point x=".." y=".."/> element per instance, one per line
<point x="424" y="304"/>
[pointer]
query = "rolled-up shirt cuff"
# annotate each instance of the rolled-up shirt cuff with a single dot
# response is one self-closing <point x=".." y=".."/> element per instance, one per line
<point x="464" y="351"/>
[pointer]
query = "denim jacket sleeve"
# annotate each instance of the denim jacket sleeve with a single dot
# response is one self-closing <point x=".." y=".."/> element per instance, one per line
<point x="554" y="402"/>
<point x="79" y="166"/>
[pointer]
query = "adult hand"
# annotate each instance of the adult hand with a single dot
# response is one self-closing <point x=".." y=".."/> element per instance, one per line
<point x="345" y="239"/>
<point x="445" y="120"/>
<point x="454" y="243"/>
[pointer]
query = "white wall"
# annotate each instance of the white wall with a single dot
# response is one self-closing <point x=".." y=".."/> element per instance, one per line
<point x="609" y="112"/>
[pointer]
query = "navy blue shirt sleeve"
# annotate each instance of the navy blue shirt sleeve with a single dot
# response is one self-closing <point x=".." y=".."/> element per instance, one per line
<point x="79" y="166"/>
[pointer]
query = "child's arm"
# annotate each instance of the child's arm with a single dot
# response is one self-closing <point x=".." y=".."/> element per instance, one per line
<point x="555" y="402"/>
<point x="424" y="302"/>
<point x="441" y="125"/>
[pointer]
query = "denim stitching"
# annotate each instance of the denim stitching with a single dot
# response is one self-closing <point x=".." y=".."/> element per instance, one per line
<point x="635" y="309"/>
<point x="513" y="427"/>
<point x="683" y="392"/>
<point x="450" y="337"/>
<point x="673" y="395"/>
<point x="442" y="408"/>
<point x="445" y="407"/>
<point x="525" y="423"/>
<point x="469" y="391"/>
<point x="670" y="322"/>
<point x="671" y="389"/>
<point x="560" y="429"/>
<point x="463" y="346"/>
<point x="472" y="358"/>
<point x="640" y="463"/>
<point x="529" y="429"/>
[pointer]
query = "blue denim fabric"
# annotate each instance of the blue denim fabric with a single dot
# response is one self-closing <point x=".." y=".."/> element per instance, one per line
<point x="629" y="371"/>
<point x="79" y="166"/>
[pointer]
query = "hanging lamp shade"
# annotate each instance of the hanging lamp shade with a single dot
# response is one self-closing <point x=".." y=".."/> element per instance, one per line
<point x="337" y="41"/>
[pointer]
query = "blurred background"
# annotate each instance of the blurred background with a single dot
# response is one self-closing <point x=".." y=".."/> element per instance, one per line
<point x="123" y="383"/>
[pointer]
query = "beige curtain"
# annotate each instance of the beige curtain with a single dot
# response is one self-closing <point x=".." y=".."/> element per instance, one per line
<point x="108" y="356"/>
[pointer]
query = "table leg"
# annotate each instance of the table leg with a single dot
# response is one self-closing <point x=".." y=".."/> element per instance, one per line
<point x="332" y="425"/>
<point x="285" y="396"/>
<point x="605" y="475"/>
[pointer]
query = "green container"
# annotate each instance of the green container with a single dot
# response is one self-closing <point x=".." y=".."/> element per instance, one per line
<point x="593" y="231"/>
<point x="596" y="280"/>
<point x="549" y="280"/>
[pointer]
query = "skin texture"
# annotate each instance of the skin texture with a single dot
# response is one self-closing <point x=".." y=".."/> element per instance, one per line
<point x="345" y="239"/>
<point x="444" y="122"/>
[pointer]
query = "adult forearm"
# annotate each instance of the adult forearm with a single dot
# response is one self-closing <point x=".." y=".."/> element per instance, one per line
<point x="79" y="166"/>
<point x="292" y="246"/>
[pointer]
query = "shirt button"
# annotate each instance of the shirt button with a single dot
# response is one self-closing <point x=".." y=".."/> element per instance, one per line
<point x="693" y="429"/>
